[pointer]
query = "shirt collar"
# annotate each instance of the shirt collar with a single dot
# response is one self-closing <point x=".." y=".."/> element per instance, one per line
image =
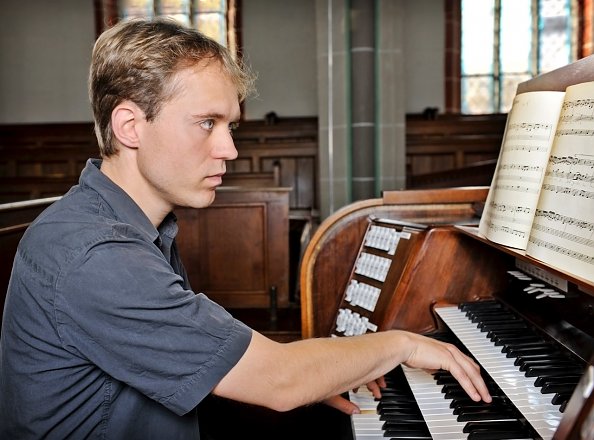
<point x="121" y="204"/>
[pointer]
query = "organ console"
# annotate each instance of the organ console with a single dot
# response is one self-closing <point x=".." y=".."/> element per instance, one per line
<point x="414" y="260"/>
<point x="529" y="326"/>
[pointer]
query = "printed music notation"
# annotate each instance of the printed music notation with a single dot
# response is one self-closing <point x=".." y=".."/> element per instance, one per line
<point x="502" y="207"/>
<point x="568" y="175"/>
<point x="566" y="119"/>
<point x="565" y="220"/>
<point x="509" y="214"/>
<point x="575" y="112"/>
<point x="574" y="132"/>
<point x="574" y="192"/>
<point x="529" y="148"/>
<point x="519" y="188"/>
<point x="572" y="160"/>
<point x="562" y="250"/>
<point x="581" y="104"/>
<point x="529" y="131"/>
<point x="496" y="227"/>
<point x="562" y="234"/>
<point x="541" y="198"/>
<point x="521" y="167"/>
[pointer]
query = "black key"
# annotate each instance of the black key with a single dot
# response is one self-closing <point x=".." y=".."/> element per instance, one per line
<point x="558" y="388"/>
<point x="552" y="370"/>
<point x="514" y="341"/>
<point x="401" y="417"/>
<point x="546" y="362"/>
<point x="527" y="358"/>
<point x="406" y="433"/>
<point x="542" y="381"/>
<point x="522" y="349"/>
<point x="560" y="398"/>
<point x="496" y="430"/>
<point x="487" y="414"/>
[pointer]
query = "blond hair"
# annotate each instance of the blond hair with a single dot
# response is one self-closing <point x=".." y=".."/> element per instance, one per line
<point x="137" y="59"/>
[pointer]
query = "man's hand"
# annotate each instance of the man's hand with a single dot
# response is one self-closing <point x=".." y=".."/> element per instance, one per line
<point x="348" y="407"/>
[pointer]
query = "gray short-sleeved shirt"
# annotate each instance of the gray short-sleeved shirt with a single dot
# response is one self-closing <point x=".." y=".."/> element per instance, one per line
<point x="101" y="335"/>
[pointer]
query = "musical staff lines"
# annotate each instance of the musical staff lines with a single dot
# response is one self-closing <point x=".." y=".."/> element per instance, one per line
<point x="562" y="250"/>
<point x="573" y="160"/>
<point x="508" y="230"/>
<point x="541" y="198"/>
<point x="579" y="104"/>
<point x="510" y="214"/>
<point x="529" y="131"/>
<point x="574" y="192"/>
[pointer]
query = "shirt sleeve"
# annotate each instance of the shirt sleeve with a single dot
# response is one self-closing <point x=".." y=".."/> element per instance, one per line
<point x="120" y="306"/>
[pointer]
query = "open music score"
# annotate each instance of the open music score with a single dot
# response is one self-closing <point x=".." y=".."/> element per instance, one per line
<point x="382" y="257"/>
<point x="541" y="199"/>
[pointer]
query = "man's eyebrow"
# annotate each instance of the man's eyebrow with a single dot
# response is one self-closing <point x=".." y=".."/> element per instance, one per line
<point x="208" y="116"/>
<point x="213" y="115"/>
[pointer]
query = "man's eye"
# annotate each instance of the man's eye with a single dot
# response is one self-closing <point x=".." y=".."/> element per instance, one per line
<point x="207" y="124"/>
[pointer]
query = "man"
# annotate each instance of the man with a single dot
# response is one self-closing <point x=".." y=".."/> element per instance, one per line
<point x="102" y="335"/>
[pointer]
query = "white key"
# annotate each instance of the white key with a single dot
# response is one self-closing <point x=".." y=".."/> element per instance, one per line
<point x="536" y="407"/>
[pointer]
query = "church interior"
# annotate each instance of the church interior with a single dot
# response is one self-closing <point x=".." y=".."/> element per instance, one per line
<point x="356" y="124"/>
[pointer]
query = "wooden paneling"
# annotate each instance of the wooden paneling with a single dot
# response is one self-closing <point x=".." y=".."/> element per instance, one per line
<point x="38" y="160"/>
<point x="289" y="145"/>
<point x="447" y="150"/>
<point x="237" y="250"/>
<point x="442" y="151"/>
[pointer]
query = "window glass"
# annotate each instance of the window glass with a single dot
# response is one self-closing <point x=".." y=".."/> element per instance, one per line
<point x="505" y="42"/>
<point x="516" y="36"/>
<point x="136" y="8"/>
<point x="555" y="41"/>
<point x="477" y="53"/>
<point x="477" y="94"/>
<point x="177" y="9"/>
<point x="210" y="17"/>
<point x="207" y="16"/>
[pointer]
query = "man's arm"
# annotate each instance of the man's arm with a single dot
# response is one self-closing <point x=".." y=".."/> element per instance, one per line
<point x="285" y="376"/>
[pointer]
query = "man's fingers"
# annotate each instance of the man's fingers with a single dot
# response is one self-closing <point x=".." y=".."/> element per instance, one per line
<point x="468" y="374"/>
<point x="343" y="405"/>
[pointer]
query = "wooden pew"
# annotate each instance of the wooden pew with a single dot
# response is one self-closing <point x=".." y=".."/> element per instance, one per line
<point x="452" y="150"/>
<point x="287" y="148"/>
<point x="476" y="174"/>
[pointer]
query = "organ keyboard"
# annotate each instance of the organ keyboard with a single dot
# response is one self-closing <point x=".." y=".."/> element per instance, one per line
<point x="533" y="340"/>
<point x="502" y="364"/>
<point x="530" y="379"/>
<point x="529" y="326"/>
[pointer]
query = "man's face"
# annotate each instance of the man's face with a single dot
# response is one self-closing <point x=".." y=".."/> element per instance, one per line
<point x="183" y="151"/>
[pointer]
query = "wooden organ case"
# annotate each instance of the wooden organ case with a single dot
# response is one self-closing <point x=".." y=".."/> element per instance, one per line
<point x="442" y="277"/>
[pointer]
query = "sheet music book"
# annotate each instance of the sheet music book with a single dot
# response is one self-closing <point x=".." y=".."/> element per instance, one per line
<point x="541" y="198"/>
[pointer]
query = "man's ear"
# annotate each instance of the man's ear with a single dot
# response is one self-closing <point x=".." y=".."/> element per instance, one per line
<point x="124" y="119"/>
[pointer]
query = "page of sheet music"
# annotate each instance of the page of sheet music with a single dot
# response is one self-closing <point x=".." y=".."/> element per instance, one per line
<point x="514" y="192"/>
<point x="563" y="229"/>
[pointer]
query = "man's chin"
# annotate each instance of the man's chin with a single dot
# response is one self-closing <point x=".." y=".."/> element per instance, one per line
<point x="204" y="200"/>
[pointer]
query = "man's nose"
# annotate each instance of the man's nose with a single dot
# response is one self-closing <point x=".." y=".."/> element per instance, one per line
<point x="225" y="147"/>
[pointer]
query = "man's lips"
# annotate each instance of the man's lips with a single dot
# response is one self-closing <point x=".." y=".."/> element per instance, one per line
<point x="215" y="179"/>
